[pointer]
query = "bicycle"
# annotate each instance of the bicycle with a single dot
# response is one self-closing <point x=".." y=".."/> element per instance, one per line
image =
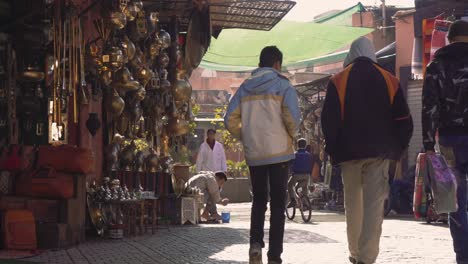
<point x="302" y="203"/>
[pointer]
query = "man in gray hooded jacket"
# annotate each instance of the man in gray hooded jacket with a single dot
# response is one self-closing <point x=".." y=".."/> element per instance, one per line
<point x="366" y="124"/>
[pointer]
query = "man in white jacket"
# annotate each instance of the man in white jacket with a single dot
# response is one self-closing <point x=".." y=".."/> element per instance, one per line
<point x="211" y="156"/>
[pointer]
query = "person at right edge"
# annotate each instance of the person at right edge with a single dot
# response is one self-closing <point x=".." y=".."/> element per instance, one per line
<point x="366" y="124"/>
<point x="265" y="115"/>
<point x="445" y="110"/>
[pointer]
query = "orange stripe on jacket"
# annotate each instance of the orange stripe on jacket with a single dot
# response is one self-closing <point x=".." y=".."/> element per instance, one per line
<point x="393" y="84"/>
<point x="340" y="81"/>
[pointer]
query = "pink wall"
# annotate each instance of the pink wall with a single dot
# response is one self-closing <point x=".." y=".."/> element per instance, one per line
<point x="227" y="81"/>
<point x="404" y="42"/>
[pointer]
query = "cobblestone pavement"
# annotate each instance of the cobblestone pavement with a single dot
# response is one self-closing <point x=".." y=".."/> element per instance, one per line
<point x="323" y="241"/>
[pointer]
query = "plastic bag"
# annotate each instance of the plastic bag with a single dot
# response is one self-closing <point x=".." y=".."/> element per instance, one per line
<point x="420" y="181"/>
<point x="443" y="184"/>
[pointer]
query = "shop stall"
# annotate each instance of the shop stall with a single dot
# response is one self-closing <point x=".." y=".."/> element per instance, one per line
<point x="95" y="112"/>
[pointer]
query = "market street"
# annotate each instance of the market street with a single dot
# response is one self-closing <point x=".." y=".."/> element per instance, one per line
<point x="322" y="242"/>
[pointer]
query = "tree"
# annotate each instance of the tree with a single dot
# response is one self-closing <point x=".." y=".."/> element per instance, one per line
<point x="228" y="141"/>
<point x="193" y="125"/>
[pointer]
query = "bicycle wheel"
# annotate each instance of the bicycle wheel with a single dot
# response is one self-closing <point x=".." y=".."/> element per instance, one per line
<point x="290" y="212"/>
<point x="306" y="209"/>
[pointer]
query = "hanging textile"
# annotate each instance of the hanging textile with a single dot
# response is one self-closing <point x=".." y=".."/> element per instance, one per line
<point x="428" y="28"/>
<point x="439" y="36"/>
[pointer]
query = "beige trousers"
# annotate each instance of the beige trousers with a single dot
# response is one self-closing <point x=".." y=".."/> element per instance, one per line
<point x="365" y="190"/>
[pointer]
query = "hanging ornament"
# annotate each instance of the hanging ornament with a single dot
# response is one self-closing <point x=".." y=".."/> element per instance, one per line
<point x="93" y="124"/>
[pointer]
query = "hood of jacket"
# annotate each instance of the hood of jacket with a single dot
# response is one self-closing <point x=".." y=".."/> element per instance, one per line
<point x="361" y="47"/>
<point x="261" y="80"/>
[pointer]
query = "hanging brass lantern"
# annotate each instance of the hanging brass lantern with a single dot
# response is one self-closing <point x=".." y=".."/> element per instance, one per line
<point x="114" y="58"/>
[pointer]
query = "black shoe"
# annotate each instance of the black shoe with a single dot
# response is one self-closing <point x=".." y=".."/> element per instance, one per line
<point x="255" y="254"/>
<point x="291" y="204"/>
<point x="274" y="261"/>
<point x="352" y="260"/>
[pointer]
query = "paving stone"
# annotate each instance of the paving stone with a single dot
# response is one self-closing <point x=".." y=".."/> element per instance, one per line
<point x="321" y="242"/>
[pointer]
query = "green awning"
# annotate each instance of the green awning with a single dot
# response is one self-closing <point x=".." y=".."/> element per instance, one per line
<point x="341" y="18"/>
<point x="239" y="49"/>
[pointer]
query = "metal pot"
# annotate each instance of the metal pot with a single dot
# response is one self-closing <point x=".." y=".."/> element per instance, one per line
<point x="123" y="75"/>
<point x="179" y="104"/>
<point x="127" y="156"/>
<point x="131" y="11"/>
<point x="182" y="90"/>
<point x="153" y="47"/>
<point x="128" y="48"/>
<point x="154" y="19"/>
<point x="152" y="161"/>
<point x="139" y="5"/>
<point x="178" y="185"/>
<point x="116" y="59"/>
<point x="143" y="75"/>
<point x="117" y="19"/>
<point x="177" y="127"/>
<point x="106" y="77"/>
<point x="164" y="59"/>
<point x="124" y="88"/>
<point x="116" y="104"/>
<point x="165" y="38"/>
<point x="123" y="82"/>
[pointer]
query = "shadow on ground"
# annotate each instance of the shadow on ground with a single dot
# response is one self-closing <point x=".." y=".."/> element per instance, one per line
<point x="178" y="245"/>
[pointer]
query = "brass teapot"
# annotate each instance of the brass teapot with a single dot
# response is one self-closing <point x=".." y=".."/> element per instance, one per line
<point x="182" y="90"/>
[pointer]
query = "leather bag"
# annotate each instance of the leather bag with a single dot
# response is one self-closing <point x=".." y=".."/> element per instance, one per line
<point x="45" y="183"/>
<point x="66" y="158"/>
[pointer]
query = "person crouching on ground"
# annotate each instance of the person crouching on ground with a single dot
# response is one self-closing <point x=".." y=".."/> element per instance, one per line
<point x="210" y="184"/>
